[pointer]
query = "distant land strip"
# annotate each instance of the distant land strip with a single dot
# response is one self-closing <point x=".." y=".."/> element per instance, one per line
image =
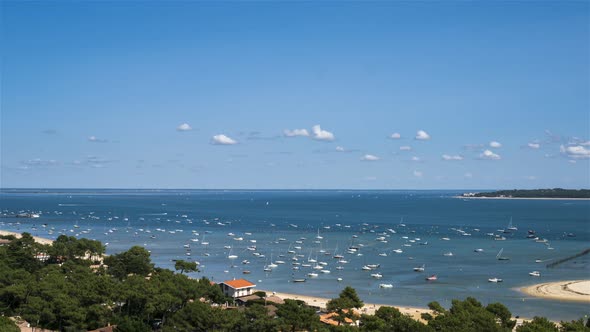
<point x="555" y="193"/>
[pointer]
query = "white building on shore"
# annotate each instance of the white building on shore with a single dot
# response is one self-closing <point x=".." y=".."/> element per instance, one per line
<point x="237" y="288"/>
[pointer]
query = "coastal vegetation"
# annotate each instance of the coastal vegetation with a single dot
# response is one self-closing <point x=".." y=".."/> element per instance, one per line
<point x="535" y="193"/>
<point x="72" y="286"/>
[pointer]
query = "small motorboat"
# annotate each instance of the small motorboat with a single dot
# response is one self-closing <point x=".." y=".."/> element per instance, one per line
<point x="432" y="278"/>
<point x="385" y="286"/>
<point x="299" y="280"/>
<point x="419" y="268"/>
<point x="535" y="274"/>
<point x="377" y="275"/>
<point x="495" y="280"/>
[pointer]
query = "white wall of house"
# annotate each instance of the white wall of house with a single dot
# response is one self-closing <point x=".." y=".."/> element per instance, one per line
<point x="236" y="292"/>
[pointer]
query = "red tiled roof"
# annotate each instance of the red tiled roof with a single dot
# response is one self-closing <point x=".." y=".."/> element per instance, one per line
<point x="239" y="283"/>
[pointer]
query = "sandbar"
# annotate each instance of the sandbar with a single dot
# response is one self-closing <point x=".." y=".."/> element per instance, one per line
<point x="368" y="308"/>
<point x="568" y="290"/>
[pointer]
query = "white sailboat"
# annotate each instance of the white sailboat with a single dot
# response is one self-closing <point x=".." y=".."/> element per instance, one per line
<point x="319" y="237"/>
<point x="511" y="227"/>
<point x="500" y="257"/>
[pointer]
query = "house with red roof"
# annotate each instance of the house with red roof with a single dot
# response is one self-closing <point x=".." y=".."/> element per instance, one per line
<point x="237" y="287"/>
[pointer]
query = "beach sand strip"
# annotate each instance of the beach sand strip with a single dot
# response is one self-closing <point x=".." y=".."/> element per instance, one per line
<point x="37" y="239"/>
<point x="369" y="308"/>
<point x="568" y="290"/>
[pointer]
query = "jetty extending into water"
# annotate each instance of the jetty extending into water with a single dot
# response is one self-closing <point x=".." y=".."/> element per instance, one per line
<point x="563" y="260"/>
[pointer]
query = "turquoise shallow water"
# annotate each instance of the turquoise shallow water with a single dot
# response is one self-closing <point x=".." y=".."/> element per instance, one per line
<point x="165" y="221"/>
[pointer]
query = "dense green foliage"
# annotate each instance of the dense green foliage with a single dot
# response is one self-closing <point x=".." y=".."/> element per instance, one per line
<point x="185" y="266"/>
<point x="6" y="325"/>
<point x="61" y="287"/>
<point x="470" y="315"/>
<point x="539" y="193"/>
<point x="344" y="304"/>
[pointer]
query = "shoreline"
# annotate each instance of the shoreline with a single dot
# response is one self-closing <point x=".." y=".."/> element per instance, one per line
<point x="368" y="308"/>
<point x="565" y="290"/>
<point x="529" y="198"/>
<point x="37" y="239"/>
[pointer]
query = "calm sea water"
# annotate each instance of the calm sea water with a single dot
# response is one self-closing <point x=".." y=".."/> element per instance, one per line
<point x="278" y="222"/>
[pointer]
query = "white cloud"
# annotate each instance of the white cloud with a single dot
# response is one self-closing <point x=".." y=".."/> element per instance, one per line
<point x="95" y="139"/>
<point x="295" y="132"/>
<point x="184" y="127"/>
<point x="449" y="157"/>
<point x="534" y="145"/>
<point x="395" y="136"/>
<point x="222" y="140"/>
<point x="320" y="134"/>
<point x="418" y="174"/>
<point x="575" y="151"/>
<point x="587" y="143"/>
<point x="421" y="135"/>
<point x="414" y="158"/>
<point x="369" y="157"/>
<point x="340" y="149"/>
<point x="487" y="154"/>
<point x="405" y="148"/>
<point x="494" y="144"/>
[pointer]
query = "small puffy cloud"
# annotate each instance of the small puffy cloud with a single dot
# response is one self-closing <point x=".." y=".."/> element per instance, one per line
<point x="320" y="134"/>
<point x="37" y="162"/>
<point x="395" y="136"/>
<point x="184" y="127"/>
<point x="295" y="132"/>
<point x="95" y="139"/>
<point x="487" y="154"/>
<point x="418" y="174"/>
<point x="450" y="157"/>
<point x="421" y="135"/>
<point x="405" y="148"/>
<point x="222" y="140"/>
<point x="340" y="149"/>
<point x="414" y="158"/>
<point x="369" y="157"/>
<point x="534" y="145"/>
<point x="575" y="151"/>
<point x="494" y="144"/>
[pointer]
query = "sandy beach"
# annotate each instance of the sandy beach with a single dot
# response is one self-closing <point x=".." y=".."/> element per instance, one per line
<point x="569" y="290"/>
<point x="37" y="239"/>
<point x="369" y="308"/>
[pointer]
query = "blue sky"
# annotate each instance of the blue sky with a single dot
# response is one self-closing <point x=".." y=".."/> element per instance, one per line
<point x="295" y="95"/>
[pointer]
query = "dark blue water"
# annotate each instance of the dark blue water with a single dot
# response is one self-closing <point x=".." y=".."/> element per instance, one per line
<point x="164" y="221"/>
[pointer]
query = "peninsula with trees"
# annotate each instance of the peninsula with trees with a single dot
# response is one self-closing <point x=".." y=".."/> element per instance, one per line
<point x="555" y="193"/>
